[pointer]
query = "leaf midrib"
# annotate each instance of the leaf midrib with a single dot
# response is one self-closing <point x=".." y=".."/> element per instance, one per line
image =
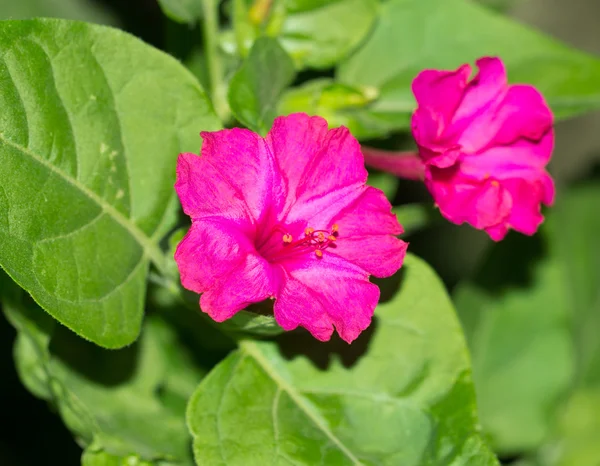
<point x="151" y="250"/>
<point x="251" y="350"/>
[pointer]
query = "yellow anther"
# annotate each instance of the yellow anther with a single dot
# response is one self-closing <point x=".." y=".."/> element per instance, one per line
<point x="331" y="238"/>
<point x="319" y="253"/>
<point x="334" y="228"/>
<point x="320" y="237"/>
<point x="309" y="231"/>
<point x="495" y="183"/>
<point x="287" y="238"/>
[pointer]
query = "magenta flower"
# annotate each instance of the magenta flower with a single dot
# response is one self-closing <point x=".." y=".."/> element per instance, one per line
<point x="485" y="145"/>
<point x="287" y="217"/>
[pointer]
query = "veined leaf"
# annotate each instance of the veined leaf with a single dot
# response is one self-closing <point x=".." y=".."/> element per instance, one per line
<point x="408" y="400"/>
<point x="91" y="123"/>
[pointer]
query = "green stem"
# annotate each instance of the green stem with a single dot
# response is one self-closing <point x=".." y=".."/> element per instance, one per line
<point x="213" y="60"/>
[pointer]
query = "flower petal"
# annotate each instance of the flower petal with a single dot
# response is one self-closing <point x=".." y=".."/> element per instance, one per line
<point x="203" y="191"/>
<point x="246" y="164"/>
<point x="367" y="235"/>
<point x="441" y="92"/>
<point x="324" y="293"/>
<point x="211" y="249"/>
<point x="521" y="114"/>
<point x="488" y="85"/>
<point x="310" y="158"/>
<point x="254" y="280"/>
<point x="481" y="203"/>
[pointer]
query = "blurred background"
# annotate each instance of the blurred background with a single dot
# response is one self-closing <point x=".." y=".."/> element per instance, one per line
<point x="34" y="435"/>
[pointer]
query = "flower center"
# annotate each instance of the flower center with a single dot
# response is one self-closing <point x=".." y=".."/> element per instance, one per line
<point x="315" y="240"/>
<point x="285" y="246"/>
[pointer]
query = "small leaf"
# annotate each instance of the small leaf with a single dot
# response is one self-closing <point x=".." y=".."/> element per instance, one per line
<point x="412" y="35"/>
<point x="404" y="398"/>
<point x="90" y="130"/>
<point x="314" y="40"/>
<point x="255" y="88"/>
<point x="182" y="11"/>
<point x="120" y="404"/>
<point x="339" y="104"/>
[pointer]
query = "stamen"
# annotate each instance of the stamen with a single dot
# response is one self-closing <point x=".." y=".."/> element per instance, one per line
<point x="316" y="240"/>
<point x="495" y="183"/>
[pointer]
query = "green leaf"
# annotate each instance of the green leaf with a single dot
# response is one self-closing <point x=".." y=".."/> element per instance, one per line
<point x="573" y="233"/>
<point x="577" y="432"/>
<point x="123" y="404"/>
<point x="318" y="34"/>
<point x="182" y="11"/>
<point x="412" y="35"/>
<point x="305" y="27"/>
<point x="255" y="88"/>
<point x="400" y="395"/>
<point x="338" y="103"/>
<point x="91" y="123"/>
<point x="84" y="10"/>
<point x="513" y="331"/>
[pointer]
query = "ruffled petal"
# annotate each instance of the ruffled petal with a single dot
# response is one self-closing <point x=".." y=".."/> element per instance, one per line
<point x="488" y="85"/>
<point x="252" y="281"/>
<point x="523" y="159"/>
<point x="440" y="92"/>
<point x="203" y="191"/>
<point x="522" y="114"/>
<point x="294" y="141"/>
<point x="481" y="203"/>
<point x="324" y="293"/>
<point x="367" y="233"/>
<point x="211" y="249"/>
<point x="525" y="215"/>
<point x="247" y="164"/>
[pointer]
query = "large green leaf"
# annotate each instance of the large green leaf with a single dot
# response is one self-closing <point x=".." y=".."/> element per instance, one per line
<point x="407" y="399"/>
<point x="255" y="88"/>
<point x="513" y="330"/>
<point x="574" y="229"/>
<point x="85" y="10"/>
<point x="411" y="35"/>
<point x="91" y="123"/>
<point x="119" y="404"/>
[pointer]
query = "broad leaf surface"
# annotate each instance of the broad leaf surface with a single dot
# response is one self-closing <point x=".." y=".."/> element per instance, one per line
<point x="182" y="11"/>
<point x="514" y="328"/>
<point x="91" y="123"/>
<point x="120" y="404"/>
<point x="85" y="10"/>
<point x="255" y="88"/>
<point x="405" y="399"/>
<point x="573" y="232"/>
<point x="411" y="35"/>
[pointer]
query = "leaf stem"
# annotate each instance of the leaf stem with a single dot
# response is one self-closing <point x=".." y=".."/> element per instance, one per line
<point x="213" y="60"/>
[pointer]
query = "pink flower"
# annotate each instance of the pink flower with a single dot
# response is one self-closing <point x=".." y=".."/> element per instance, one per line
<point x="485" y="145"/>
<point x="287" y="217"/>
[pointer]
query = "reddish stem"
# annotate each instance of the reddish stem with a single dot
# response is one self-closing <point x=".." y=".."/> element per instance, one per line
<point x="407" y="165"/>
